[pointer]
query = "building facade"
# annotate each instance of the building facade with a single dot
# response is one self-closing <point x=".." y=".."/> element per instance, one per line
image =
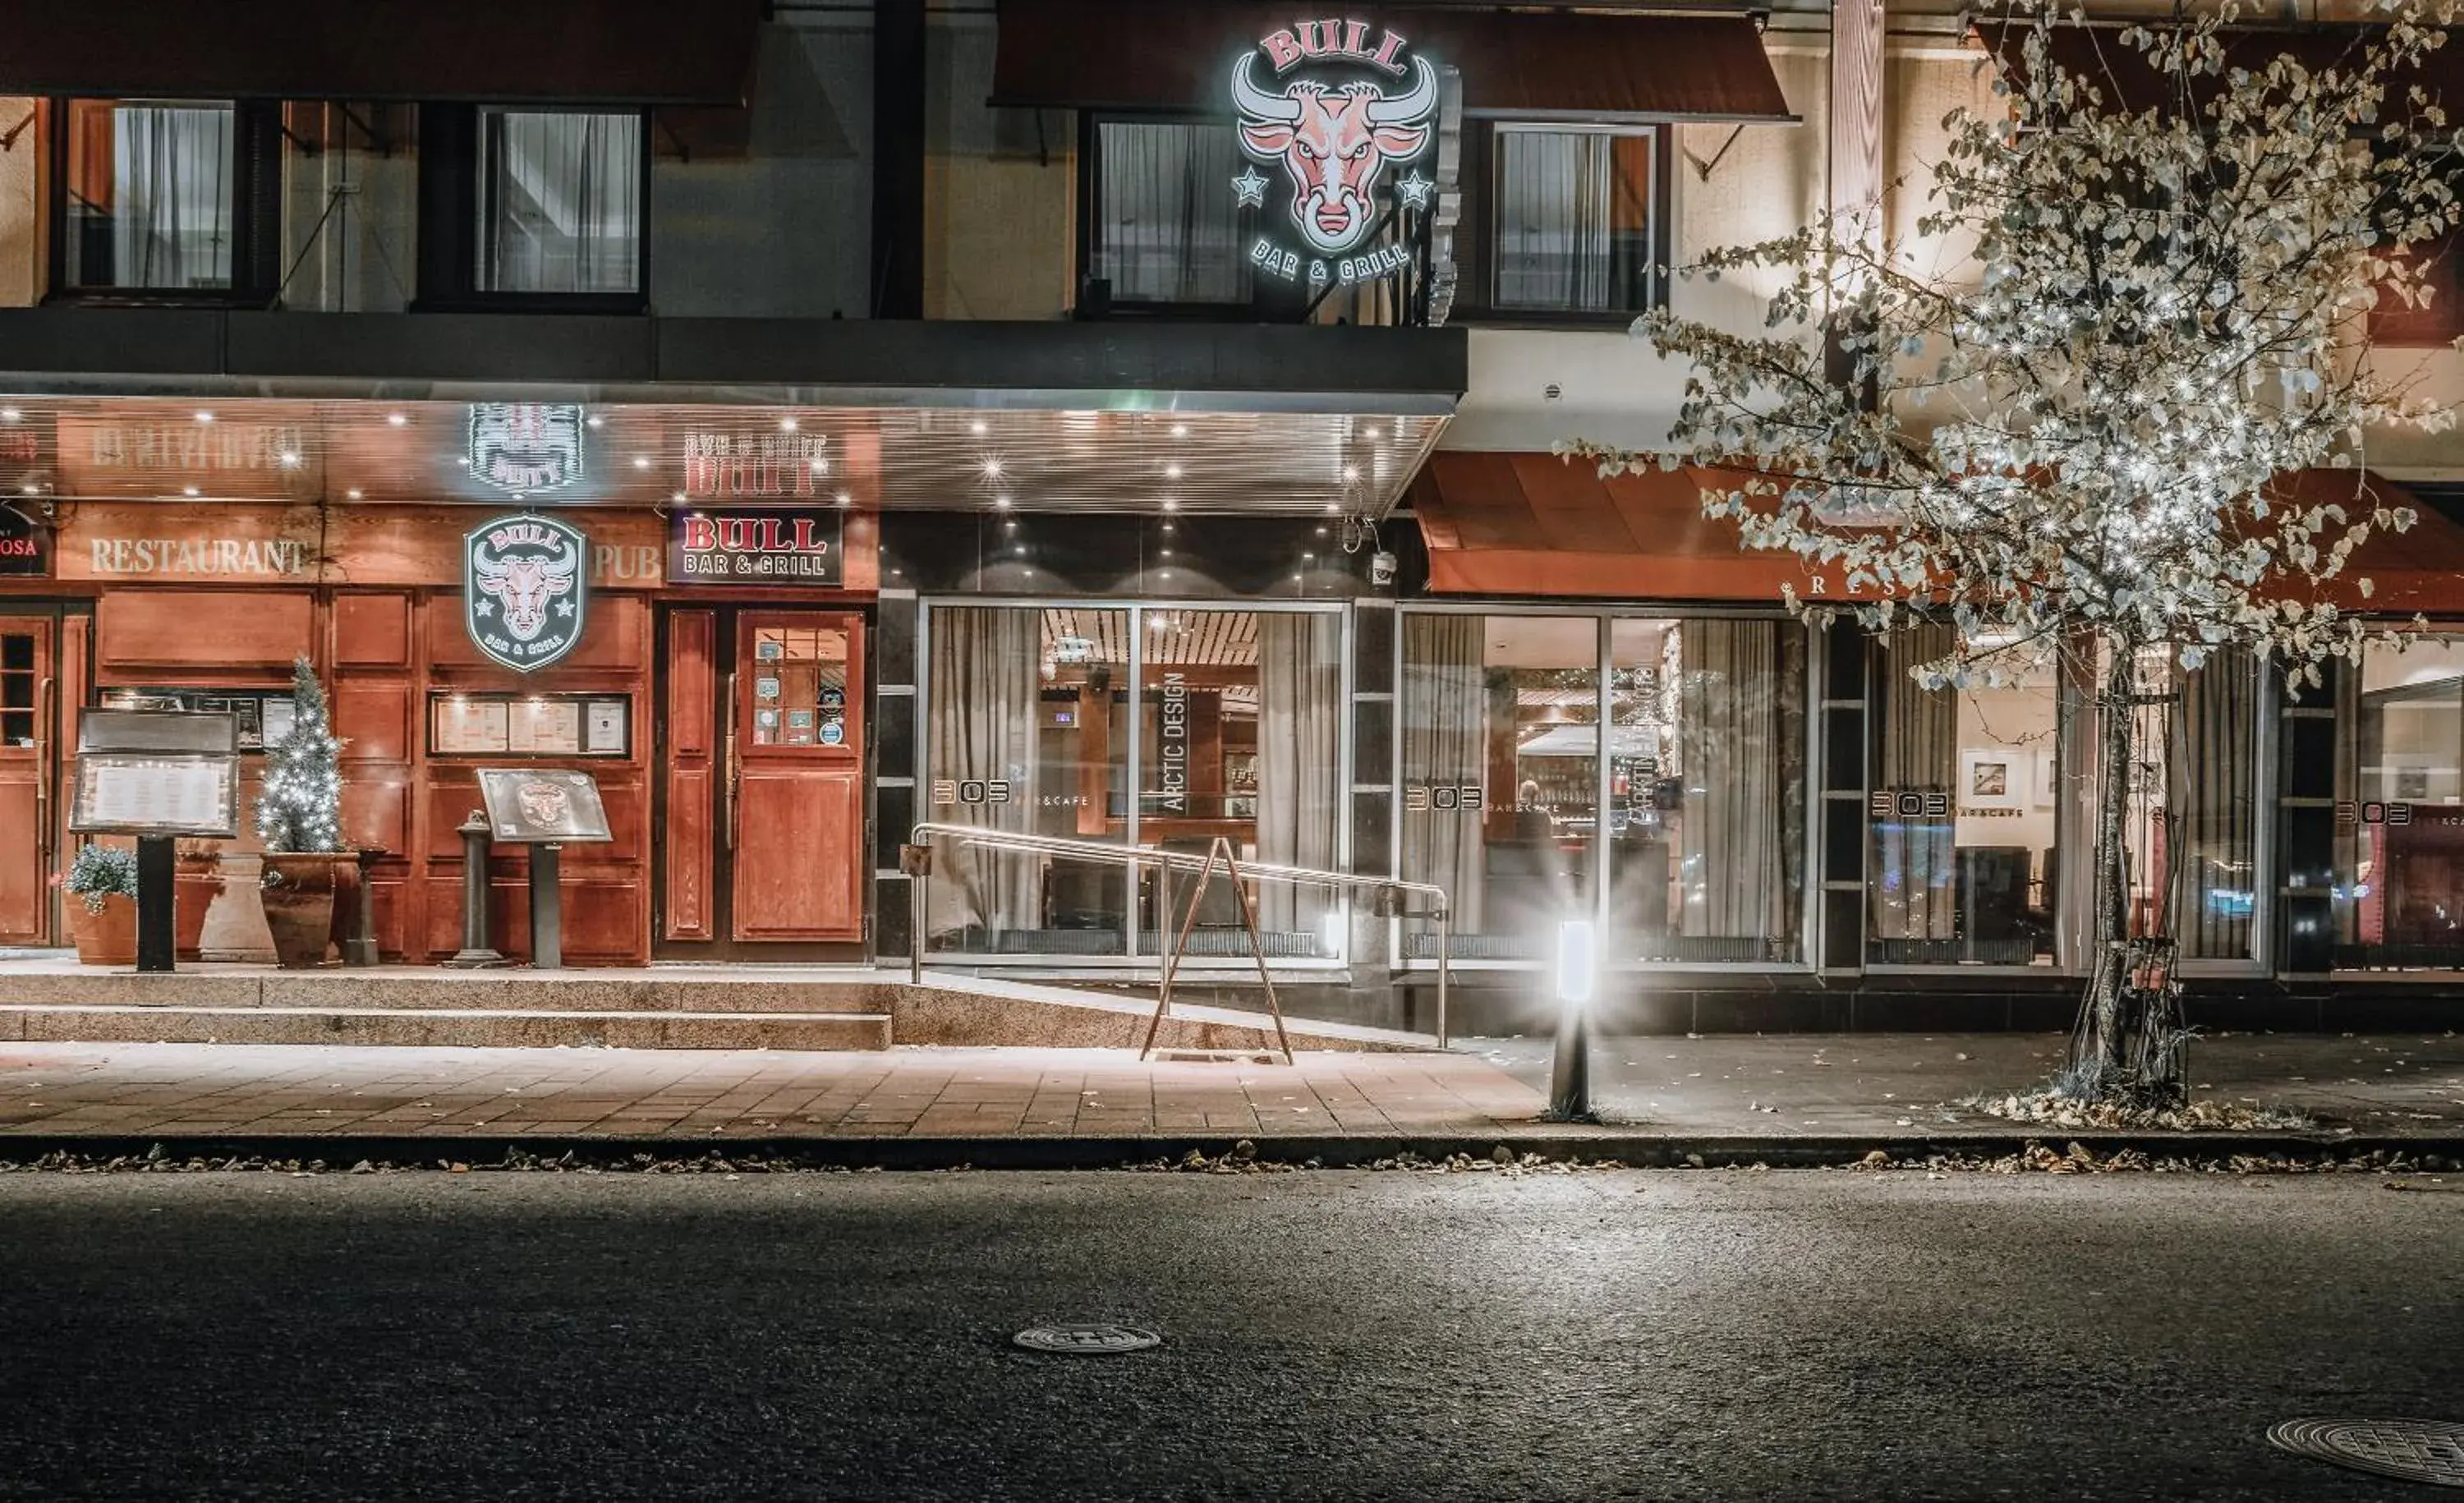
<point x="1098" y="421"/>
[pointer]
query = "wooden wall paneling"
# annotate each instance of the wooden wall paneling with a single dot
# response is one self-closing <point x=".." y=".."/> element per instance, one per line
<point x="376" y="718"/>
<point x="689" y="762"/>
<point x="24" y="786"/>
<point x="615" y="639"/>
<point x="371" y="630"/>
<point x="218" y="635"/>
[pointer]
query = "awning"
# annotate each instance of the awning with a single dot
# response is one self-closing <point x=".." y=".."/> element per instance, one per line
<point x="1138" y="55"/>
<point x="1524" y="523"/>
<point x="508" y="52"/>
<point x="2121" y="74"/>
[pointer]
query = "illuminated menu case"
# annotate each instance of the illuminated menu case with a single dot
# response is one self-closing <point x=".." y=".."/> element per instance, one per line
<point x="530" y="726"/>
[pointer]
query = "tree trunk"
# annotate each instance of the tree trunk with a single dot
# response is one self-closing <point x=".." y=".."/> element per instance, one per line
<point x="2127" y="1043"/>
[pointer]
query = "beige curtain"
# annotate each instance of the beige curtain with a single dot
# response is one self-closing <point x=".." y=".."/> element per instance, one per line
<point x="1446" y="721"/>
<point x="1299" y="704"/>
<point x="1733" y="868"/>
<point x="1916" y="896"/>
<point x="985" y="662"/>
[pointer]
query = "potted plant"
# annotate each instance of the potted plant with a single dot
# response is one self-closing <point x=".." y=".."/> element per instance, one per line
<point x="104" y="881"/>
<point x="300" y="819"/>
<point x="197" y="881"/>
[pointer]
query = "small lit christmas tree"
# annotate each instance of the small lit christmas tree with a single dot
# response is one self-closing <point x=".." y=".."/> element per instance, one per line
<point x="302" y="806"/>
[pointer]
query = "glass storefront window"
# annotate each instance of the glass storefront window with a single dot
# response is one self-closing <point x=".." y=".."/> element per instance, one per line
<point x="1700" y="759"/>
<point x="2201" y="736"/>
<point x="1234" y="735"/>
<point x="1707" y="790"/>
<point x="1961" y="867"/>
<point x="1501" y="776"/>
<point x="2400" y="808"/>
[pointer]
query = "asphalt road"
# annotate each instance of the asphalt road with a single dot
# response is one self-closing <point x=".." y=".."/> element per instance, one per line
<point x="1337" y="1335"/>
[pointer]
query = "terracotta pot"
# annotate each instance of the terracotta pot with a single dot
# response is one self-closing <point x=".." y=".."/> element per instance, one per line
<point x="298" y="898"/>
<point x="198" y="883"/>
<point x="108" y="938"/>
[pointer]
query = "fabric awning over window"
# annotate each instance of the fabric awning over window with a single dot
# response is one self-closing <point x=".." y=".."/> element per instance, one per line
<point x="1139" y="54"/>
<point x="1526" y="524"/>
<point x="506" y="52"/>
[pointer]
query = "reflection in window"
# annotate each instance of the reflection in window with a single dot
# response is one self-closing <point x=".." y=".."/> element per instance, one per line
<point x="1031" y="729"/>
<point x="1573" y="220"/>
<point x="1962" y="813"/>
<point x="150" y="194"/>
<point x="1166" y="221"/>
<point x="1707" y="790"/>
<point x="2400" y="808"/>
<point x="561" y="202"/>
<point x="1501" y="774"/>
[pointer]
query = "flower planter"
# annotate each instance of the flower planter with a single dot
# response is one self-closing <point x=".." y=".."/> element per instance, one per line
<point x="108" y="938"/>
<point x="198" y="882"/>
<point x="299" y="891"/>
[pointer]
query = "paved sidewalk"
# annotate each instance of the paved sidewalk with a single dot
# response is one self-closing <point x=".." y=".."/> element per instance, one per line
<point x="1796" y="1096"/>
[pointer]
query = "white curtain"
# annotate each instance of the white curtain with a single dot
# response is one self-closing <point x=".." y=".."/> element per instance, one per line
<point x="2215" y="795"/>
<point x="1734" y="875"/>
<point x="171" y="169"/>
<point x="561" y="211"/>
<point x="1553" y="219"/>
<point x="1913" y="856"/>
<point x="1299" y="707"/>
<point x="985" y="662"/>
<point x="1446" y="744"/>
<point x="1170" y="229"/>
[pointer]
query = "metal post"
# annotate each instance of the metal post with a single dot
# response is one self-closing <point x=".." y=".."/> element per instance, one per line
<point x="361" y="948"/>
<point x="1445" y="952"/>
<point x="157" y="884"/>
<point x="915" y="860"/>
<point x="476" y="950"/>
<point x="1569" y="1078"/>
<point x="547" y="906"/>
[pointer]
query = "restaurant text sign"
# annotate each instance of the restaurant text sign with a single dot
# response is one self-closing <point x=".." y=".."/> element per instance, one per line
<point x="749" y="547"/>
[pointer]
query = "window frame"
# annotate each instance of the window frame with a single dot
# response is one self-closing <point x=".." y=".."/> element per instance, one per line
<point x="1477" y="231"/>
<point x="1090" y="214"/>
<point x="255" y="202"/>
<point x="450" y="185"/>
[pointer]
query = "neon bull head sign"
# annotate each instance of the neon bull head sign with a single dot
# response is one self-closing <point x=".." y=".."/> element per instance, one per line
<point x="1342" y="104"/>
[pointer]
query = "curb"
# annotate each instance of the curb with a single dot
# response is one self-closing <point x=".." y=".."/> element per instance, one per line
<point x="1634" y="1150"/>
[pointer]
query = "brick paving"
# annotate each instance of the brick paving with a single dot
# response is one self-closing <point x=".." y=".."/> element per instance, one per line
<point x="242" y="1089"/>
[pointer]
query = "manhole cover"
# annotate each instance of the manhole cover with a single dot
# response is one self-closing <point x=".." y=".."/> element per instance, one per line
<point x="2417" y="1450"/>
<point x="1087" y="1340"/>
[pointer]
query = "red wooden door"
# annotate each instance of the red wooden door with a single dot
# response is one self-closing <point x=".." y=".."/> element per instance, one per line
<point x="29" y="709"/>
<point x="687" y="735"/>
<point x="795" y="813"/>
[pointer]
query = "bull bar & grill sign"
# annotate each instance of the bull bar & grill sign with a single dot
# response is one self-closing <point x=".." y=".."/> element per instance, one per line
<point x="1345" y="111"/>
<point x="524" y="589"/>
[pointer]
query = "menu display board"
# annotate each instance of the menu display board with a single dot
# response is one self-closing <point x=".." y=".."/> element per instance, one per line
<point x="260" y="716"/>
<point x="543" y="803"/>
<point x="529" y="725"/>
<point x="118" y="793"/>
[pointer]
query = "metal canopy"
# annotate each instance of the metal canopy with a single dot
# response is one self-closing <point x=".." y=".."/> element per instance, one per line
<point x="1354" y="460"/>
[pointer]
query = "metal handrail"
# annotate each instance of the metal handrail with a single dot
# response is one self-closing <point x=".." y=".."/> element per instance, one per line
<point x="1133" y="858"/>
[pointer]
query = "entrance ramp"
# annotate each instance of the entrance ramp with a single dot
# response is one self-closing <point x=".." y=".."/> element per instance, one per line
<point x="51" y="998"/>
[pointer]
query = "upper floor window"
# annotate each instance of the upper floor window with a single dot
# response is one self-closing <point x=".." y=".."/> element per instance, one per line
<point x="1164" y="225"/>
<point x="157" y="196"/>
<point x="1570" y="211"/>
<point x="560" y="205"/>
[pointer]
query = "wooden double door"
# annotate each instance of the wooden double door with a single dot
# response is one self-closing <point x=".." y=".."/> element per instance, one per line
<point x="761" y="773"/>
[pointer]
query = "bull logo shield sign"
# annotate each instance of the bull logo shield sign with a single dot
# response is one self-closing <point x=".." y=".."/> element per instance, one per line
<point x="1339" y="112"/>
<point x="524" y="586"/>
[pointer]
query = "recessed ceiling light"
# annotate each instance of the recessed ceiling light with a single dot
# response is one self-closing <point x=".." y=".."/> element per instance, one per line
<point x="595" y="420"/>
<point x="29" y="488"/>
<point x="787" y="424"/>
<point x="1167" y="553"/>
<point x="1172" y="471"/>
<point x="845" y="499"/>
<point x="290" y="457"/>
<point x="1180" y="429"/>
<point x="395" y="419"/>
<point x="1020" y="550"/>
<point x="1352" y="472"/>
<point x="1169" y="528"/>
<point x="205" y="416"/>
<point x="1321" y="532"/>
<point x="1009" y="526"/>
<point x="1001" y="501"/>
<point x="641" y="461"/>
<point x="976" y="428"/>
<point x="9" y="414"/>
<point x="1369" y="433"/>
<point x="678" y="496"/>
<point x="820" y="466"/>
<point x="1171" y="505"/>
<point x="1334" y="508"/>
<point x="187" y="490"/>
<point x="353" y="494"/>
<point x="993" y="468"/>
<point x="1163" y="573"/>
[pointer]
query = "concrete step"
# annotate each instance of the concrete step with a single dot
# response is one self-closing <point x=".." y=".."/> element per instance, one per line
<point x="473" y="1027"/>
<point x="409" y="989"/>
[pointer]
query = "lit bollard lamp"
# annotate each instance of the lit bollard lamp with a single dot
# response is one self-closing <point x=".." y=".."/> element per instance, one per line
<point x="1577" y="968"/>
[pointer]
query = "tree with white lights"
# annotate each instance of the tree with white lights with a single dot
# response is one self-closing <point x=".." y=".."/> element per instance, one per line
<point x="300" y="807"/>
<point x="2069" y="448"/>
